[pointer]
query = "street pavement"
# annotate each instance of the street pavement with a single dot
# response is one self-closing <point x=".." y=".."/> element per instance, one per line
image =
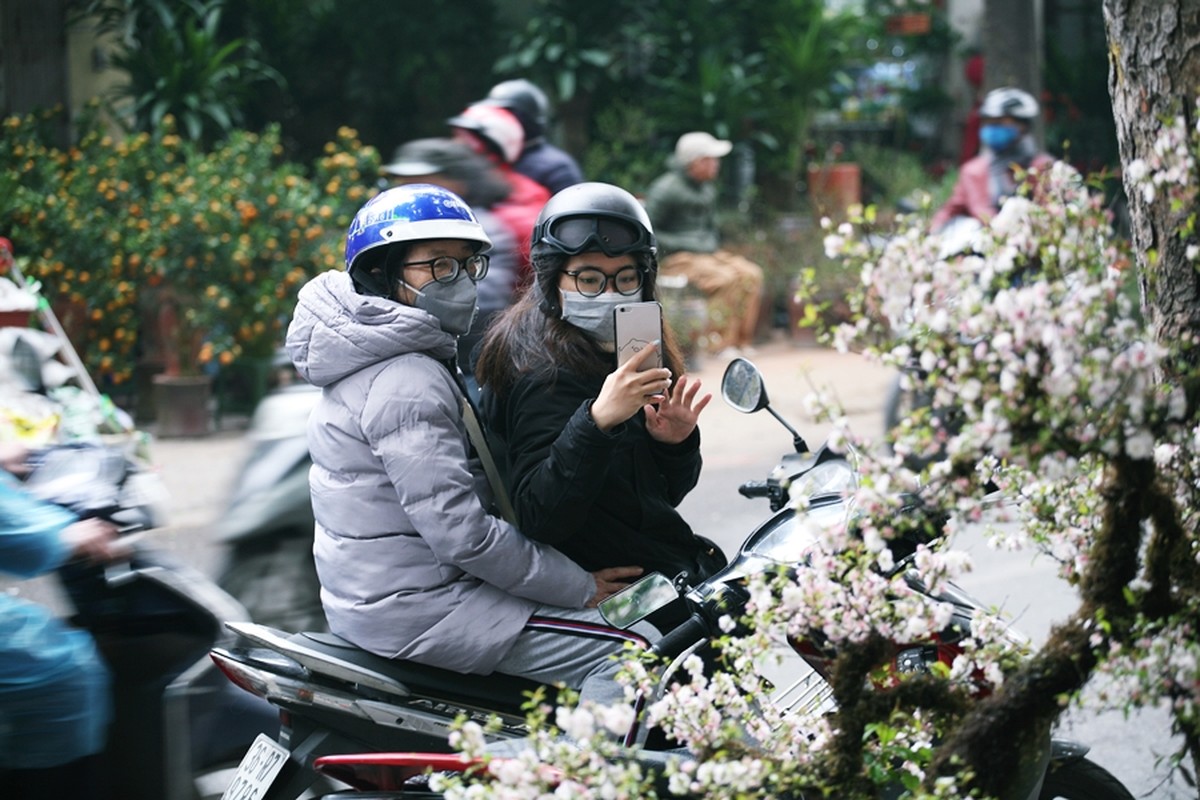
<point x="199" y="474"/>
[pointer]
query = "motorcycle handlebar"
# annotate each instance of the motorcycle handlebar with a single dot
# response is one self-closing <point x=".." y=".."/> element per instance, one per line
<point x="683" y="637"/>
<point x="755" y="489"/>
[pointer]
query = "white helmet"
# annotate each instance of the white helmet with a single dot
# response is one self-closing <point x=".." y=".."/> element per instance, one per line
<point x="498" y="126"/>
<point x="1008" y="101"/>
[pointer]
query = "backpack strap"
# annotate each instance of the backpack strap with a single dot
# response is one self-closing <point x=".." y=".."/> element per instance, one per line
<point x="479" y="442"/>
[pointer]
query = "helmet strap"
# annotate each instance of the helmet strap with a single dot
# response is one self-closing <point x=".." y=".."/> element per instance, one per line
<point x="381" y="277"/>
<point x="393" y="269"/>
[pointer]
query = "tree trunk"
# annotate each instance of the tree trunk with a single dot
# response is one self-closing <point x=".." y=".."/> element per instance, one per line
<point x="1154" y="72"/>
<point x="1013" y="47"/>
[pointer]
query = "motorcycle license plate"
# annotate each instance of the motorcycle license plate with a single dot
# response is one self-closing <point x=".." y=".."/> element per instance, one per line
<point x="258" y="769"/>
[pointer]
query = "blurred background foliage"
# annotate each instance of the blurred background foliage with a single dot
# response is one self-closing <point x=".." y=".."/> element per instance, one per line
<point x="625" y="77"/>
<point x="126" y="227"/>
<point x="253" y="129"/>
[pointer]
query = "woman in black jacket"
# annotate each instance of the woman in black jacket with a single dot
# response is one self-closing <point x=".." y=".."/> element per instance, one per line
<point x="596" y="456"/>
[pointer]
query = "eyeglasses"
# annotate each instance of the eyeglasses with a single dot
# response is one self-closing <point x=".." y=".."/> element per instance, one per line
<point x="592" y="282"/>
<point x="612" y="236"/>
<point x="445" y="269"/>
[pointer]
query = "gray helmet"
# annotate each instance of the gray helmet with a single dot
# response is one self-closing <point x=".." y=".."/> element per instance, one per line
<point x="526" y="101"/>
<point x="594" y="216"/>
<point x="1008" y="101"/>
<point x="421" y="160"/>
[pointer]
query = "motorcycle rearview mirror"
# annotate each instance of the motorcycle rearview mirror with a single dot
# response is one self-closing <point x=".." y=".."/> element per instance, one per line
<point x="638" y="600"/>
<point x="742" y="387"/>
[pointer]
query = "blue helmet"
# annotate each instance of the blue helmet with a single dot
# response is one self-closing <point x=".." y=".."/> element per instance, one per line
<point x="411" y="213"/>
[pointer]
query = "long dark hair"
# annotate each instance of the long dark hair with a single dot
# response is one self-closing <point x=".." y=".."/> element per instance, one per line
<point x="531" y="338"/>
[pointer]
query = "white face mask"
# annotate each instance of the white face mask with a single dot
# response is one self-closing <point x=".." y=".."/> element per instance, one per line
<point x="593" y="315"/>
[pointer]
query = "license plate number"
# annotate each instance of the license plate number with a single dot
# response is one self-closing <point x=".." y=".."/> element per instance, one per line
<point x="258" y="769"/>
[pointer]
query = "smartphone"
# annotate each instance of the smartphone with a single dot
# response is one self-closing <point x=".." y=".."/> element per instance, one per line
<point x="637" y="325"/>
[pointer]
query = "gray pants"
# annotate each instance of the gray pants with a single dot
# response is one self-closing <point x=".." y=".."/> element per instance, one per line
<point x="577" y="648"/>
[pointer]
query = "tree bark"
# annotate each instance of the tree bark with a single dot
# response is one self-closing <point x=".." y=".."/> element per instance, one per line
<point x="1154" y="73"/>
<point x="1012" y="45"/>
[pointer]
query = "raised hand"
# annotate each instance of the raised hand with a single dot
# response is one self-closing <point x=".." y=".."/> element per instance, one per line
<point x="674" y="418"/>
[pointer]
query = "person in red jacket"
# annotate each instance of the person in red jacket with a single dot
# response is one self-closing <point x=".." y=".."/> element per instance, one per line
<point x="549" y="165"/>
<point x="973" y="71"/>
<point x="497" y="133"/>
<point x="1010" y="150"/>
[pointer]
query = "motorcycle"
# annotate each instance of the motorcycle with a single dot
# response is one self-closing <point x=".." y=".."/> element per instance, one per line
<point x="178" y="728"/>
<point x="267" y="525"/>
<point x="378" y="725"/>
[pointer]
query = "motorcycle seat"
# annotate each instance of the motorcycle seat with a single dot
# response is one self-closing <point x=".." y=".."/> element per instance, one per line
<point x="497" y="690"/>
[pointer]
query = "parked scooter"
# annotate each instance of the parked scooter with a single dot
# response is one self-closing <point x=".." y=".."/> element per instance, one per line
<point x="336" y="700"/>
<point x="267" y="526"/>
<point x="178" y="730"/>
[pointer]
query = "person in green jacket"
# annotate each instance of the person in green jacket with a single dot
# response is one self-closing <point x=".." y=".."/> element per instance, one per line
<point x="682" y="205"/>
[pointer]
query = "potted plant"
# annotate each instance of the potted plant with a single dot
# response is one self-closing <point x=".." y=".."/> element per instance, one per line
<point x="834" y="185"/>
<point x="811" y="59"/>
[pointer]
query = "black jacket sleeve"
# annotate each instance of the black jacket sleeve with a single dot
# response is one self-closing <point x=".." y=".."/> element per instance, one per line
<point x="680" y="465"/>
<point x="556" y="456"/>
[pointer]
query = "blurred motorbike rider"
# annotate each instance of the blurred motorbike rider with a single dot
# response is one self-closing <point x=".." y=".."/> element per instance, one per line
<point x="547" y="164"/>
<point x="54" y="687"/>
<point x="496" y="133"/>
<point x="411" y="565"/>
<point x="1009" y="146"/>
<point x="598" y="456"/>
<point x="454" y="166"/>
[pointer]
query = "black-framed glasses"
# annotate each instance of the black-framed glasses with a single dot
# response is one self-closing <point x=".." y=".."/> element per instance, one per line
<point x="593" y="282"/>
<point x="611" y="235"/>
<point x="445" y="269"/>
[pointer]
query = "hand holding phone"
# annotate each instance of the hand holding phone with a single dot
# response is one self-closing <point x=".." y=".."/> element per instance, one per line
<point x="640" y="377"/>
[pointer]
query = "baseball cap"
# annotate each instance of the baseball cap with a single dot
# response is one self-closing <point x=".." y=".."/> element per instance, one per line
<point x="430" y="157"/>
<point x="699" y="144"/>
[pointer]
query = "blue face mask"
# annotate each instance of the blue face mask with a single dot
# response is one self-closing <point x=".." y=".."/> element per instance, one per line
<point x="998" y="138"/>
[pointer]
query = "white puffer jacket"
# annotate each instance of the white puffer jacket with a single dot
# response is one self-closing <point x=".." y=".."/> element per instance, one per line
<point x="411" y="565"/>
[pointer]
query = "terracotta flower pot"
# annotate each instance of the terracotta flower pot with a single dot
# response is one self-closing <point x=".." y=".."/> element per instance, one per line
<point x="833" y="188"/>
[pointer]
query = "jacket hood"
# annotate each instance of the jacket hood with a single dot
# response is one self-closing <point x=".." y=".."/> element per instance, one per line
<point x="336" y="331"/>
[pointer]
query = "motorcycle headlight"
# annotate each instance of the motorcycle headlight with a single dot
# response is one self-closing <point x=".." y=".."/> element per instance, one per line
<point x="789" y="537"/>
<point x="831" y="477"/>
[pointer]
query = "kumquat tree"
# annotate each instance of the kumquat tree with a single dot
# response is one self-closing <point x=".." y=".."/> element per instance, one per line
<point x="115" y="228"/>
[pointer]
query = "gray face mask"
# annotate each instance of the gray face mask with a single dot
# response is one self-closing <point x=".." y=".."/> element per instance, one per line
<point x="454" y="304"/>
<point x="593" y="315"/>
